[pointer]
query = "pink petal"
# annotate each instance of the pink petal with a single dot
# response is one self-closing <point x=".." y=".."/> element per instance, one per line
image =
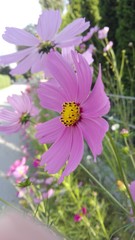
<point x="84" y="76"/>
<point x="50" y="131"/>
<point x="19" y="37"/>
<point x="8" y="115"/>
<point x="55" y="158"/>
<point x="25" y="64"/>
<point x="17" y="103"/>
<point x="73" y="29"/>
<point x="97" y="104"/>
<point x="51" y="96"/>
<point x="37" y="65"/>
<point x="70" y="42"/>
<point x="10" y="128"/>
<point x="48" y="24"/>
<point x="76" y="153"/>
<point x="88" y="56"/>
<point x="15" y="57"/>
<point x="63" y="73"/>
<point x="94" y="131"/>
<point x="132" y="190"/>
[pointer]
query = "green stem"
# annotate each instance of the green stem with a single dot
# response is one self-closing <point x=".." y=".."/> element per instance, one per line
<point x="123" y="176"/>
<point x="104" y="189"/>
<point x="130" y="154"/>
<point x="8" y="204"/>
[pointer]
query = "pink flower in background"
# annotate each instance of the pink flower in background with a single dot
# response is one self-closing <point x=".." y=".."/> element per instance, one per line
<point x="37" y="47"/>
<point x="67" y="54"/>
<point x="36" y="163"/>
<point x="77" y="218"/>
<point x="102" y="33"/>
<point x="49" y="181"/>
<point x="88" y="56"/>
<point x="84" y="210"/>
<point x="108" y="46"/>
<point x="21" y="193"/>
<point x="23" y="111"/>
<point x="132" y="190"/>
<point x="90" y="33"/>
<point x="18" y="169"/>
<point x="48" y="194"/>
<point x="80" y="109"/>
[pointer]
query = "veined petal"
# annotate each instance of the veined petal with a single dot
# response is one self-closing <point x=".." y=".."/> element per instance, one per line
<point x="84" y="76"/>
<point x="48" y="24"/>
<point x="97" y="104"/>
<point x="55" y="158"/>
<point x="20" y="37"/>
<point x="17" y="103"/>
<point x="63" y="73"/>
<point x="69" y="32"/>
<point x="76" y="153"/>
<point x="25" y="64"/>
<point x="70" y="42"/>
<point x="13" y="128"/>
<point x="50" y="131"/>
<point x="94" y="131"/>
<point x="51" y="96"/>
<point x="37" y="66"/>
<point x="15" y="57"/>
<point x="8" y="116"/>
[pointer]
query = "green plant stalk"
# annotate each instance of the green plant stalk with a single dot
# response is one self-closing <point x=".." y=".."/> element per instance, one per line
<point x="8" y="204"/>
<point x="123" y="176"/>
<point x="130" y="154"/>
<point x="105" y="190"/>
<point x="102" y="222"/>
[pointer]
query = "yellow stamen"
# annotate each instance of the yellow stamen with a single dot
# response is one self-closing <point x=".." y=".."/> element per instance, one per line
<point x="70" y="114"/>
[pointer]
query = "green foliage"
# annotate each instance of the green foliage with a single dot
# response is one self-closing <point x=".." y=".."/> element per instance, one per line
<point x="126" y="23"/>
<point x="82" y="8"/>
<point x="4" y="81"/>
<point x="54" y="4"/>
<point x="108" y="12"/>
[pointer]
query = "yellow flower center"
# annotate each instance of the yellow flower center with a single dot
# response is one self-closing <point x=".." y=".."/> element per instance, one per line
<point x="70" y="114"/>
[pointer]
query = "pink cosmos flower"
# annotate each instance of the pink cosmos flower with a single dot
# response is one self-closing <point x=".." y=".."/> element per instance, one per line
<point x="33" y="56"/>
<point x="80" y="109"/>
<point x="108" y="46"/>
<point x="102" y="33"/>
<point x="66" y="53"/>
<point x="48" y="194"/>
<point x="132" y="190"/>
<point x="77" y="218"/>
<point x="23" y="111"/>
<point x="84" y="210"/>
<point x="18" y="169"/>
<point x="90" y="33"/>
<point x="88" y="56"/>
<point x="36" y="163"/>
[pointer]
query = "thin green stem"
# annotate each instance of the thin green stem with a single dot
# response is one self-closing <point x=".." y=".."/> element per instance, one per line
<point x="104" y="189"/>
<point x="8" y="204"/>
<point x="123" y="176"/>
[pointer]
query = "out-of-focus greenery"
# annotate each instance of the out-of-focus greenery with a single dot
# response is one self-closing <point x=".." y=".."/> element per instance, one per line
<point x="54" y="4"/>
<point x="4" y="81"/>
<point x="82" y="8"/>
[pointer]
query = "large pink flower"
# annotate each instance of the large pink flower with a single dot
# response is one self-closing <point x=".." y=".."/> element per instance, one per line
<point x="80" y="110"/>
<point x="33" y="57"/>
<point x="23" y="111"/>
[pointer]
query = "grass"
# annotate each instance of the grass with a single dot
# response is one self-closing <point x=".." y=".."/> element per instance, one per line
<point x="4" y="81"/>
